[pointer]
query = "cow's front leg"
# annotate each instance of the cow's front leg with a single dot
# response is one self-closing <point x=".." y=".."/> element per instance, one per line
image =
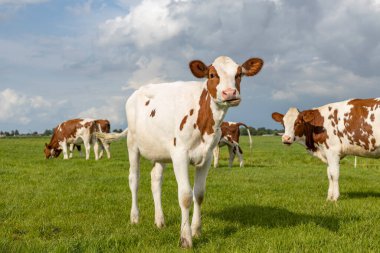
<point x="333" y="176"/>
<point x="199" y="191"/>
<point x="64" y="150"/>
<point x="156" y="177"/>
<point x="185" y="196"/>
<point x="134" y="177"/>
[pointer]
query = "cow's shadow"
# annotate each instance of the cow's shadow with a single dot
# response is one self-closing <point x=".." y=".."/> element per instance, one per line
<point x="271" y="217"/>
<point x="361" y="195"/>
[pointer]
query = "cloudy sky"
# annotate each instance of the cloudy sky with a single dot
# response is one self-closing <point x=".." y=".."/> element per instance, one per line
<point x="83" y="58"/>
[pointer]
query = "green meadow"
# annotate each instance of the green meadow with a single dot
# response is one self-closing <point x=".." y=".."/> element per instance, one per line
<point x="276" y="203"/>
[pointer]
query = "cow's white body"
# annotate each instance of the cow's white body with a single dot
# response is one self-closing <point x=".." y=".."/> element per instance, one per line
<point x="180" y="123"/>
<point x="350" y="127"/>
<point x="154" y="135"/>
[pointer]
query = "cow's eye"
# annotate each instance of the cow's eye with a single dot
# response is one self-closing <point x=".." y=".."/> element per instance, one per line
<point x="212" y="75"/>
<point x="238" y="76"/>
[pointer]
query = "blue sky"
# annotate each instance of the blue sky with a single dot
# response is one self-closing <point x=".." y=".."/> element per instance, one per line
<point x="67" y="59"/>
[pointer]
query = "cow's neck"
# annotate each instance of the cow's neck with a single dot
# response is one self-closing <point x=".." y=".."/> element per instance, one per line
<point x="210" y="115"/>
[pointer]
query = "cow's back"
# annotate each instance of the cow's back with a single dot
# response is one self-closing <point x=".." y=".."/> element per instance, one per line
<point x="353" y="126"/>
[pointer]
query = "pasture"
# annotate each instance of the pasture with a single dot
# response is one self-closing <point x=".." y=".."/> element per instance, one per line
<point x="275" y="203"/>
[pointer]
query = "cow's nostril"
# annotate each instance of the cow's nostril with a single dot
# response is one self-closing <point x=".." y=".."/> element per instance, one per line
<point x="234" y="92"/>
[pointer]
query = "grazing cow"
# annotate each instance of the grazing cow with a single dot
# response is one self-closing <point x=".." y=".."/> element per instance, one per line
<point x="332" y="131"/>
<point x="230" y="137"/>
<point x="180" y="122"/>
<point x="102" y="126"/>
<point x="74" y="131"/>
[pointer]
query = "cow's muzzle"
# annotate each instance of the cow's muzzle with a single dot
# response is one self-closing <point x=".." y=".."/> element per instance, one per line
<point x="287" y="139"/>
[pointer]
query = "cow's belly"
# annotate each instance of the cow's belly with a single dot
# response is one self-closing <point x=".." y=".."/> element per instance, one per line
<point x="360" y="151"/>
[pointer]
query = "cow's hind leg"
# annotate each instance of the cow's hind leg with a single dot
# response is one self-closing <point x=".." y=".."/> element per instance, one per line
<point x="156" y="177"/>
<point x="232" y="155"/>
<point x="239" y="153"/>
<point x="199" y="191"/>
<point x="72" y="146"/>
<point x="185" y="195"/>
<point x="216" y="152"/>
<point x="134" y="177"/>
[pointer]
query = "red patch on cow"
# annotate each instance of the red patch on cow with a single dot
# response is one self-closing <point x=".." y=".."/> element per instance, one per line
<point x="175" y="141"/>
<point x="310" y="124"/>
<point x="205" y="120"/>
<point x="147" y="102"/>
<point x="357" y="130"/>
<point x="183" y="122"/>
<point x="153" y="113"/>
<point x="213" y="81"/>
<point x="191" y="112"/>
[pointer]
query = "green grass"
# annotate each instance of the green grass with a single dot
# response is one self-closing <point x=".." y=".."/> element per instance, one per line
<point x="275" y="204"/>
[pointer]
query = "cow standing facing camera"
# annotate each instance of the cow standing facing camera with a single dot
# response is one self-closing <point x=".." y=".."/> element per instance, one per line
<point x="180" y="123"/>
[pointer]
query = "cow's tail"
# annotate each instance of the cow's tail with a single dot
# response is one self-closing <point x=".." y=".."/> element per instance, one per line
<point x="111" y="137"/>
<point x="250" y="141"/>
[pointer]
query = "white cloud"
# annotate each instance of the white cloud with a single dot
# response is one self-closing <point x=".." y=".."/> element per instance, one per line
<point x="19" y="108"/>
<point x="112" y="109"/>
<point x="150" y="22"/>
<point x="149" y="71"/>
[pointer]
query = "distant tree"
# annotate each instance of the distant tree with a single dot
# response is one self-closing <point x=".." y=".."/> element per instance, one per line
<point x="16" y="133"/>
<point x="47" y="132"/>
<point x="117" y="130"/>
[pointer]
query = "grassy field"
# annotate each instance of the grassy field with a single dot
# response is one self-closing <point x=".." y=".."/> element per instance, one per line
<point x="275" y="204"/>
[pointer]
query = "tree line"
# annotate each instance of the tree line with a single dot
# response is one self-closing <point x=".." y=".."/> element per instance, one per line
<point x="49" y="132"/>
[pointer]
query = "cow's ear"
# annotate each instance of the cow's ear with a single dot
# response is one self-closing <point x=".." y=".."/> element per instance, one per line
<point x="198" y="68"/>
<point x="252" y="66"/>
<point x="278" y="117"/>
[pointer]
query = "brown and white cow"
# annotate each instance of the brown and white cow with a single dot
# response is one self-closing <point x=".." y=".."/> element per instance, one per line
<point x="74" y="131"/>
<point x="230" y="137"/>
<point x="102" y="126"/>
<point x="180" y="123"/>
<point x="332" y="131"/>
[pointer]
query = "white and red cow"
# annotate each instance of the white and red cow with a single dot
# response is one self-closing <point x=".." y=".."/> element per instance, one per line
<point x="230" y="137"/>
<point x="180" y="122"/>
<point x="332" y="131"/>
<point x="102" y="126"/>
<point x="74" y="131"/>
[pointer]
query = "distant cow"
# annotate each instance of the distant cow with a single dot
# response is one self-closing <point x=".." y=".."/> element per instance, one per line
<point x="74" y="131"/>
<point x="230" y="137"/>
<point x="180" y="122"/>
<point x="332" y="131"/>
<point x="102" y="126"/>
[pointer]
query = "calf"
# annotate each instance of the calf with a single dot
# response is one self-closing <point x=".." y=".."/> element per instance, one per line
<point x="230" y="137"/>
<point x="74" y="131"/>
<point x="332" y="131"/>
<point x="180" y="122"/>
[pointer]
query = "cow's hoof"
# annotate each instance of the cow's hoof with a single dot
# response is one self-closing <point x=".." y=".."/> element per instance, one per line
<point x="196" y="232"/>
<point x="134" y="219"/>
<point x="186" y="243"/>
<point x="160" y="223"/>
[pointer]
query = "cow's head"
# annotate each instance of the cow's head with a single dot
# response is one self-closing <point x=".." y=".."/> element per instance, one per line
<point x="51" y="152"/>
<point x="224" y="77"/>
<point x="305" y="124"/>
